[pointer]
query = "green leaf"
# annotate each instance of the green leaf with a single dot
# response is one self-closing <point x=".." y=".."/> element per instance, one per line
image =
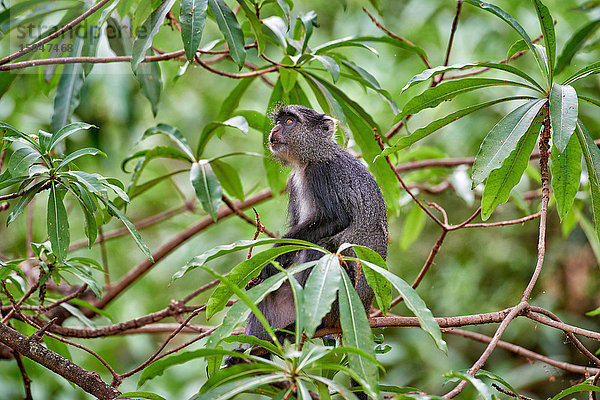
<point x="23" y="201"/>
<point x="434" y="96"/>
<point x="239" y="311"/>
<point x="501" y="181"/>
<point x="574" y="44"/>
<point x="231" y="30"/>
<point x="583" y="72"/>
<point x="489" y="375"/>
<point x="503" y="139"/>
<point x="413" y="226"/>
<point x="276" y="30"/>
<point x="359" y="41"/>
<point x="148" y="76"/>
<point x="150" y="154"/>
<point x="172" y="133"/>
<point x="147" y="31"/>
<point x="255" y="25"/>
<point x="90" y="46"/>
<point x="235" y="373"/>
<point x="67" y="131"/>
<point x="91" y="181"/>
<point x="231" y="103"/>
<point x="320" y="290"/>
<point x="591" y="156"/>
<point x="582" y="387"/>
<point x="20" y="161"/>
<point x="565" y="169"/>
<point x="356" y="332"/>
<point x="425" y="131"/>
<point x="209" y="130"/>
<point x="58" y="225"/>
<point x="193" y="17"/>
<point x="481" y="387"/>
<point x="503" y="15"/>
<point x="431" y="72"/>
<point x="589" y="100"/>
<point x="517" y="47"/>
<point x="563" y="114"/>
<point x="413" y="302"/>
<point x="88" y="207"/>
<point x="232" y="389"/>
<point x="229" y="178"/>
<point x="220" y="251"/>
<point x="243" y="296"/>
<point x="207" y="187"/>
<point x="547" y="27"/>
<point x="140" y="395"/>
<point x="66" y="99"/>
<point x="158" y="367"/>
<point x="242" y="273"/>
<point x="380" y="285"/>
<point x="131" y="228"/>
<point x="330" y="65"/>
<point x="79" y="153"/>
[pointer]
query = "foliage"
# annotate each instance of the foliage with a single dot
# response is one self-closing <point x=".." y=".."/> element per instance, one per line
<point x="212" y="69"/>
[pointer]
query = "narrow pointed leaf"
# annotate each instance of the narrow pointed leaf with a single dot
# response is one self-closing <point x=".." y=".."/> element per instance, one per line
<point x="231" y="30"/>
<point x="591" y="156"/>
<point x="67" y="131"/>
<point x="563" y="114"/>
<point x="148" y="76"/>
<point x="503" y="139"/>
<point x="147" y="31"/>
<point x="229" y="178"/>
<point x="380" y="285"/>
<point x="20" y="161"/>
<point x="517" y="47"/>
<point x="174" y="134"/>
<point x="574" y="44"/>
<point x="547" y="27"/>
<point x="583" y="72"/>
<point x="132" y="230"/>
<point x="357" y="333"/>
<point x="255" y="25"/>
<point x="503" y="15"/>
<point x="434" y="96"/>
<point x="207" y="187"/>
<point x="80" y="153"/>
<point x="565" y="169"/>
<point x="232" y="389"/>
<point x="193" y="17"/>
<point x="58" y="225"/>
<point x="501" y="181"/>
<point x="241" y="274"/>
<point x="431" y="72"/>
<point x="23" y="201"/>
<point x="413" y="302"/>
<point x="425" y="131"/>
<point x="320" y="291"/>
<point x="67" y="92"/>
<point x="239" y="312"/>
<point x="330" y="65"/>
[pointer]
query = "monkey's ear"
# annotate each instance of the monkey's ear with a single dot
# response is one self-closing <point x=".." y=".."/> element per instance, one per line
<point x="331" y="124"/>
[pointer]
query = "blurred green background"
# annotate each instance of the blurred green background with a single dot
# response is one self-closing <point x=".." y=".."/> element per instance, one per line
<point x="476" y="271"/>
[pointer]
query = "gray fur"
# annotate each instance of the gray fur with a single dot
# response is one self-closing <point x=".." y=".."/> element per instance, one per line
<point x="333" y="200"/>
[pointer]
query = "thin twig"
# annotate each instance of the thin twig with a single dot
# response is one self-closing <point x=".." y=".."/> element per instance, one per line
<point x="26" y="379"/>
<point x="54" y="35"/>
<point x="393" y="35"/>
<point x="440" y="78"/>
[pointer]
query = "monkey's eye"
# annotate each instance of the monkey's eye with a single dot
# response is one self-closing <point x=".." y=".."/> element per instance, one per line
<point x="288" y="121"/>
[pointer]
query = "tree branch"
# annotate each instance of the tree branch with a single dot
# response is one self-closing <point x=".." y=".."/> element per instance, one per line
<point x="36" y="351"/>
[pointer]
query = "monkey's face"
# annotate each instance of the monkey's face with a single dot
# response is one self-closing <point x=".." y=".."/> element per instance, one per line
<point x="298" y="133"/>
<point x="280" y="134"/>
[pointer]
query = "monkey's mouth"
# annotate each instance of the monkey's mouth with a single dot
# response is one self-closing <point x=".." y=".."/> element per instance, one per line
<point x="276" y="145"/>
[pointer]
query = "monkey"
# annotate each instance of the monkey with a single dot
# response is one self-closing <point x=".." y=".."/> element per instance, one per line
<point x="333" y="199"/>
